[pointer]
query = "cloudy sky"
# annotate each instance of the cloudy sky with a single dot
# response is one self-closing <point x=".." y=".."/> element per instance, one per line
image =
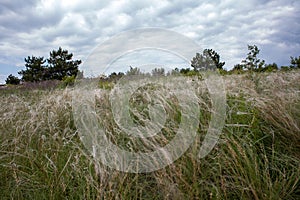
<point x="35" y="27"/>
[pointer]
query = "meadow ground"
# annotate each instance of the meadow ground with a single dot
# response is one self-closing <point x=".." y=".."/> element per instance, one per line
<point x="257" y="156"/>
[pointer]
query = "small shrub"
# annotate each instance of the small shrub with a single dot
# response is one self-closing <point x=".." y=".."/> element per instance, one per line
<point x="12" y="80"/>
<point x="106" y="84"/>
<point x="285" y="68"/>
<point x="68" y="81"/>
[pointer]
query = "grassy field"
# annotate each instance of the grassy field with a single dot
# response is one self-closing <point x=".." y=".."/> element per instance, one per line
<point x="257" y="156"/>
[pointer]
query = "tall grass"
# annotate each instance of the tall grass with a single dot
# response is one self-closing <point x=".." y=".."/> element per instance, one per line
<point x="257" y="156"/>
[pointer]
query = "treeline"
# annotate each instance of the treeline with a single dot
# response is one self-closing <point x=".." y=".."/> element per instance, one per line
<point x="252" y="63"/>
<point x="210" y="59"/>
<point x="60" y="66"/>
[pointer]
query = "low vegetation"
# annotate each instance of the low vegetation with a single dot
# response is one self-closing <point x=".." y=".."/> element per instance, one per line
<point x="257" y="156"/>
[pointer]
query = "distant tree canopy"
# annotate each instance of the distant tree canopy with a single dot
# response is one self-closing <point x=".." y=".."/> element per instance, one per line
<point x="35" y="70"/>
<point x="238" y="67"/>
<point x="158" y="72"/>
<point x="270" y="67"/>
<point x="251" y="62"/>
<point x="133" y="71"/>
<point x="209" y="59"/>
<point x="60" y="65"/>
<point x="295" y="62"/>
<point x="12" y="80"/>
<point x="215" y="58"/>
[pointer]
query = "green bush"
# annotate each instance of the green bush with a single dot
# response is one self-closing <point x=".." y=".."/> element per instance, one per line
<point x="68" y="81"/>
<point x="12" y="80"/>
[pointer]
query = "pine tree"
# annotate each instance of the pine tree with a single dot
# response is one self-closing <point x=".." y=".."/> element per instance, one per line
<point x="61" y="64"/>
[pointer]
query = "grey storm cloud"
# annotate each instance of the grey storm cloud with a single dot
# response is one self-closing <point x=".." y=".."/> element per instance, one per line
<point x="36" y="27"/>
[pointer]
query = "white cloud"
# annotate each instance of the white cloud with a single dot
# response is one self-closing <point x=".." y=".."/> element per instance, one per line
<point x="37" y="27"/>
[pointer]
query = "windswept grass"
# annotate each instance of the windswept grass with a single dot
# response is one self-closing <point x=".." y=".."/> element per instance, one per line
<point x="257" y="157"/>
